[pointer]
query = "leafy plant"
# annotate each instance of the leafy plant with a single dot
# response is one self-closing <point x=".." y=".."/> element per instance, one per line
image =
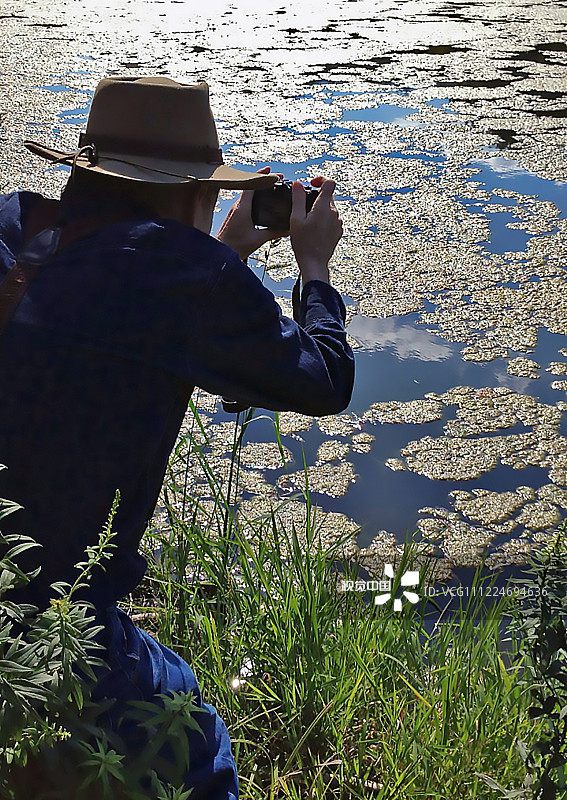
<point x="52" y="741"/>
<point x="543" y="651"/>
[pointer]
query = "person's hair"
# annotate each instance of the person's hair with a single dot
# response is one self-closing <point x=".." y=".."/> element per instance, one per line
<point x="156" y="197"/>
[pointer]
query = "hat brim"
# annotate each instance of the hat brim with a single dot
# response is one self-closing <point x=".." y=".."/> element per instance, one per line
<point x="156" y="170"/>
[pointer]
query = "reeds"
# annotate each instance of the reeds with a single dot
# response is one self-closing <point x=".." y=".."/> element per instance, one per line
<point x="325" y="694"/>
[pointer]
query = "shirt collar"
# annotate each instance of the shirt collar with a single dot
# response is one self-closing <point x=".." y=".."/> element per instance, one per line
<point x="91" y="202"/>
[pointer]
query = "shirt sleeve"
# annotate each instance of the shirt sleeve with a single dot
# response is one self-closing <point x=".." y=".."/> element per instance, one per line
<point x="248" y="351"/>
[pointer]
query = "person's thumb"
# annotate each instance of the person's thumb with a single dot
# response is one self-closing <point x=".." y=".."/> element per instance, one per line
<point x="245" y="201"/>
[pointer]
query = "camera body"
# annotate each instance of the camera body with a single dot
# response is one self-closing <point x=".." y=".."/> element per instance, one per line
<point x="271" y="208"/>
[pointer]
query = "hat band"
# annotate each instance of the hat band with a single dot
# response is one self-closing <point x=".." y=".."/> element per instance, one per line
<point x="111" y="144"/>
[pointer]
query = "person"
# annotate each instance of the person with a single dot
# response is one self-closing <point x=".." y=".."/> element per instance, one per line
<point x="118" y="326"/>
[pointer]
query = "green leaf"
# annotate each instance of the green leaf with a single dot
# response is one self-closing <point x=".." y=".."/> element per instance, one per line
<point x="490" y="782"/>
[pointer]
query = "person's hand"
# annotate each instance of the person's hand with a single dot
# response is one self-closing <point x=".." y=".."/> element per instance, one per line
<point x="314" y="235"/>
<point x="238" y="230"/>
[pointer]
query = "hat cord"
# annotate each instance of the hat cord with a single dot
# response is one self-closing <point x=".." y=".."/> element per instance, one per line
<point x="88" y="149"/>
<point x="92" y="156"/>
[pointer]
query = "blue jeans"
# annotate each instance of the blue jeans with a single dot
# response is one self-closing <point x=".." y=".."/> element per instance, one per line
<point x="140" y="669"/>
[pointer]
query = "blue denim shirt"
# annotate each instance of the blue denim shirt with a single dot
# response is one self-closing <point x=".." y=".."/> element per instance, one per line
<point x="101" y="357"/>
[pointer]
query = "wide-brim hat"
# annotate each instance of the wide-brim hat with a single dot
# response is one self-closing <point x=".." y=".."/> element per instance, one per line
<point x="153" y="130"/>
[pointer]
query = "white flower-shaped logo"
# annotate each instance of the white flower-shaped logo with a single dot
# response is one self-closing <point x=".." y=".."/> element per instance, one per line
<point x="409" y="578"/>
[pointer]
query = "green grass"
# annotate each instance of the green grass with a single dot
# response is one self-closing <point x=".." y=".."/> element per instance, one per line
<point x="337" y="697"/>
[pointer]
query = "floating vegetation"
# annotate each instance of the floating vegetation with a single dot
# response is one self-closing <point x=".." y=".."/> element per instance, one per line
<point x="557" y="368"/>
<point x="489" y="410"/>
<point x="496" y="319"/>
<point x="331" y="450"/>
<point x="554" y="494"/>
<point x="558" y="471"/>
<point x="514" y="551"/>
<point x="340" y="425"/>
<point x="483" y="351"/>
<point x="457" y="457"/>
<point x="290" y="422"/>
<point x="415" y="412"/>
<point x="464" y="545"/>
<point x="385" y="549"/>
<point x="539" y="516"/>
<point x="254" y="482"/>
<point x="522" y="367"/>
<point x="485" y="506"/>
<point x="220" y="437"/>
<point x="264" y="455"/>
<point x="331" y="527"/>
<point x="330" y="479"/>
<point x="395" y="464"/>
<point x="449" y="458"/>
<point x="362" y="442"/>
<point x="205" y="401"/>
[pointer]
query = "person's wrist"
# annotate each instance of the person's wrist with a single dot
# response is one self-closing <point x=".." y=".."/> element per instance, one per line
<point x="314" y="271"/>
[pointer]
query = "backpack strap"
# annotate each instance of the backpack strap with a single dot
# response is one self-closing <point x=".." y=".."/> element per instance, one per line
<point x="40" y="238"/>
<point x="44" y="237"/>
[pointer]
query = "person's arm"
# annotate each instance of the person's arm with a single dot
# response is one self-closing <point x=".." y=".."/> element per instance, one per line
<point x="249" y="351"/>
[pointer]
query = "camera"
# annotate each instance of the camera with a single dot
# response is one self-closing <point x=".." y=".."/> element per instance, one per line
<point x="271" y="208"/>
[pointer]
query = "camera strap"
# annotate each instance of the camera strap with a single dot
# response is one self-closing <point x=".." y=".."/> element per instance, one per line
<point x="296" y="299"/>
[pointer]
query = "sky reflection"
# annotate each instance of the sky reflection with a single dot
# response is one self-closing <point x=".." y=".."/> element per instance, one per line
<point x="403" y="340"/>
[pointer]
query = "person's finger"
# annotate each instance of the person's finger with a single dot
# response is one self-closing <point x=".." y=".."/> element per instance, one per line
<point x="325" y="196"/>
<point x="327" y="187"/>
<point x="268" y="170"/>
<point x="298" y="201"/>
<point x="245" y="199"/>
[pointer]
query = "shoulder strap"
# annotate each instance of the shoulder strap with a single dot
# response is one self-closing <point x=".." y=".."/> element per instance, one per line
<point x="43" y="237"/>
<point x="44" y="213"/>
<point x="14" y="285"/>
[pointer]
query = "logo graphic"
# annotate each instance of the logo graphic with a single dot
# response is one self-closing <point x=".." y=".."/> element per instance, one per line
<point x="409" y="578"/>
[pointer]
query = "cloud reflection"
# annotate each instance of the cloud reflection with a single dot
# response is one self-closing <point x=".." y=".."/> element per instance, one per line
<point x="405" y="341"/>
<point x="504" y="165"/>
<point x="517" y="384"/>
